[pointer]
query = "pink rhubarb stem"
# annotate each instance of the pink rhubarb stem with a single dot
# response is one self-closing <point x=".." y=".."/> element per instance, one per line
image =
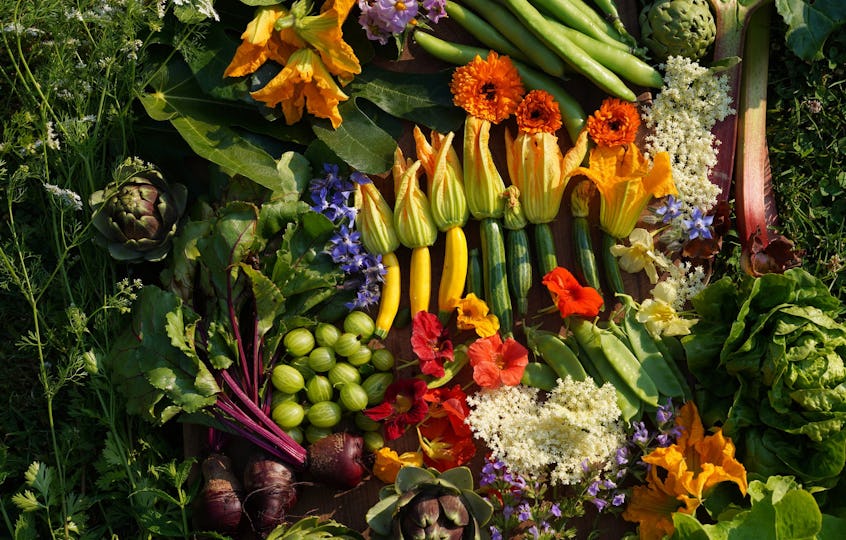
<point x="752" y="174"/>
<point x="731" y="17"/>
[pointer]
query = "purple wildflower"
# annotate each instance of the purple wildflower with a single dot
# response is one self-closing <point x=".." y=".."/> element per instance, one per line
<point x="495" y="533"/>
<point x="622" y="455"/>
<point x="435" y="9"/>
<point x="599" y="503"/>
<point x="525" y="512"/>
<point x="670" y="210"/>
<point x="641" y="434"/>
<point x="593" y="488"/>
<point x="555" y="510"/>
<point x="619" y="499"/>
<point x="382" y="19"/>
<point x="665" y="412"/>
<point x="699" y="225"/>
<point x="533" y="530"/>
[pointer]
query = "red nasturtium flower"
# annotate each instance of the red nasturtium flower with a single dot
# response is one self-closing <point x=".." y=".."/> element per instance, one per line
<point x="445" y="439"/>
<point x="429" y="342"/>
<point x="403" y="406"/>
<point x="570" y="296"/>
<point x="496" y="362"/>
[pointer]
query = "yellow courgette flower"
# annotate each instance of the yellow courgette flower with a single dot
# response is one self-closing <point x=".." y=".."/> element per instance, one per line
<point x="474" y="314"/>
<point x="303" y="82"/>
<point x="260" y="42"/>
<point x="375" y="220"/>
<point x="689" y="469"/>
<point x="490" y="91"/>
<point x="412" y="213"/>
<point x="311" y="49"/>
<point x="626" y="180"/>
<point x="323" y="32"/>
<point x="536" y="164"/>
<point x="445" y="179"/>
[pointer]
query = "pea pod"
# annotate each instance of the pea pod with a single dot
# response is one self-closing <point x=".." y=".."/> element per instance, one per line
<point x="666" y="345"/>
<point x="539" y="375"/>
<point x="643" y="345"/>
<point x="605" y="349"/>
<point x="451" y="369"/>
<point x="556" y="353"/>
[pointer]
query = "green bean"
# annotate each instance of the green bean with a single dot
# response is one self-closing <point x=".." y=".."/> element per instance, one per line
<point x="483" y="31"/>
<point x="573" y="55"/>
<point x="612" y="16"/>
<point x="556" y="353"/>
<point x="618" y="60"/>
<point x="539" y="375"/>
<point x="612" y="267"/>
<point x="598" y="342"/>
<point x="578" y="17"/>
<point x="539" y="54"/>
<point x="572" y="113"/>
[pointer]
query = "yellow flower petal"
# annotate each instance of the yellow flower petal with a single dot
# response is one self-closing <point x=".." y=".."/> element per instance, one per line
<point x="259" y="43"/>
<point x="473" y="314"/>
<point x="303" y="82"/>
<point x="375" y="220"/>
<point x="388" y="463"/>
<point x="445" y="179"/>
<point x="483" y="184"/>
<point x="534" y="164"/>
<point x="413" y="220"/>
<point x="640" y="255"/>
<point x="626" y="181"/>
<point x="323" y="32"/>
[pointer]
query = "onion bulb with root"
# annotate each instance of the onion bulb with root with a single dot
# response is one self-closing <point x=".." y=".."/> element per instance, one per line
<point x="219" y="507"/>
<point x="270" y="492"/>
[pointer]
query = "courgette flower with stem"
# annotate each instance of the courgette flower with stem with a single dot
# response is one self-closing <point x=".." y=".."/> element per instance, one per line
<point x="626" y="180"/>
<point x="682" y="475"/>
<point x="311" y="50"/>
<point x="536" y="164"/>
<point x="490" y="91"/>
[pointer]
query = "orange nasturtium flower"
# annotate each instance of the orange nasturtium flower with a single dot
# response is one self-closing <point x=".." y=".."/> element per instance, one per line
<point x="490" y="91"/>
<point x="496" y="363"/>
<point x="615" y="123"/>
<point x="388" y="463"/>
<point x="690" y="468"/>
<point x="474" y="314"/>
<point x="626" y="181"/>
<point x="570" y="297"/>
<point x="311" y="49"/>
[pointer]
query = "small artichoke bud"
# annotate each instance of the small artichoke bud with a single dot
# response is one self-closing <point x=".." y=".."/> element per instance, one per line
<point x="580" y="198"/>
<point x="678" y="28"/>
<point x="445" y="179"/>
<point x="514" y="218"/>
<point x="412" y="214"/>
<point x="375" y="220"/>
<point x="482" y="182"/>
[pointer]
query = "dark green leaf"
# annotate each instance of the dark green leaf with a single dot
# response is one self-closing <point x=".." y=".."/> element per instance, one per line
<point x="810" y="24"/>
<point x="358" y="140"/>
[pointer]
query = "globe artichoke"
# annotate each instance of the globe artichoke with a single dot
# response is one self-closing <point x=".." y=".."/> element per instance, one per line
<point x="678" y="28"/>
<point x="425" y="505"/>
<point x="137" y="215"/>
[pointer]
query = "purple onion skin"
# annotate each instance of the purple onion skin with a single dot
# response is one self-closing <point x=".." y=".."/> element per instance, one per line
<point x="219" y="507"/>
<point x="271" y="491"/>
<point x="337" y="460"/>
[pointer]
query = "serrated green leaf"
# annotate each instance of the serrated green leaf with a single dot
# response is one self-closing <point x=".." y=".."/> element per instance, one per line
<point x="810" y="24"/>
<point x="423" y="98"/>
<point x="358" y="140"/>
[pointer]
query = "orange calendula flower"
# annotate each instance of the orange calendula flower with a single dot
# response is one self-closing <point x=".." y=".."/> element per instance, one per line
<point x="474" y="314"/>
<point x="538" y="113"/>
<point x="489" y="89"/>
<point x="496" y="362"/>
<point x="682" y="474"/>
<point x="615" y="123"/>
<point x="570" y="297"/>
<point x="389" y="462"/>
<point x="304" y="82"/>
<point x="626" y="181"/>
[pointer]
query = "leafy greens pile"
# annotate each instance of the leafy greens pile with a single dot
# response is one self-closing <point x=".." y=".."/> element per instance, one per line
<point x="769" y="356"/>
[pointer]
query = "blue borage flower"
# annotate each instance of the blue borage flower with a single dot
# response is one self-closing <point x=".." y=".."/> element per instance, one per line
<point x="699" y="225"/>
<point x="330" y="196"/>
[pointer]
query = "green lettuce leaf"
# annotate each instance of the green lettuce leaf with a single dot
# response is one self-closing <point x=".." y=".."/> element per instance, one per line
<point x="810" y="24"/>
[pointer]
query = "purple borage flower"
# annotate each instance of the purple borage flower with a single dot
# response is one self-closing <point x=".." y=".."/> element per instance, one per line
<point x="698" y="226"/>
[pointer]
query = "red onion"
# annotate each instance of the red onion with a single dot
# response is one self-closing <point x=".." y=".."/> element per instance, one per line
<point x="219" y="507"/>
<point x="271" y="492"/>
<point x="336" y="460"/>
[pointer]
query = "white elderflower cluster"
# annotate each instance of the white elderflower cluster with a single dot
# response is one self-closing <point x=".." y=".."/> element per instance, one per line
<point x="680" y="119"/>
<point x="687" y="281"/>
<point x="578" y="425"/>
